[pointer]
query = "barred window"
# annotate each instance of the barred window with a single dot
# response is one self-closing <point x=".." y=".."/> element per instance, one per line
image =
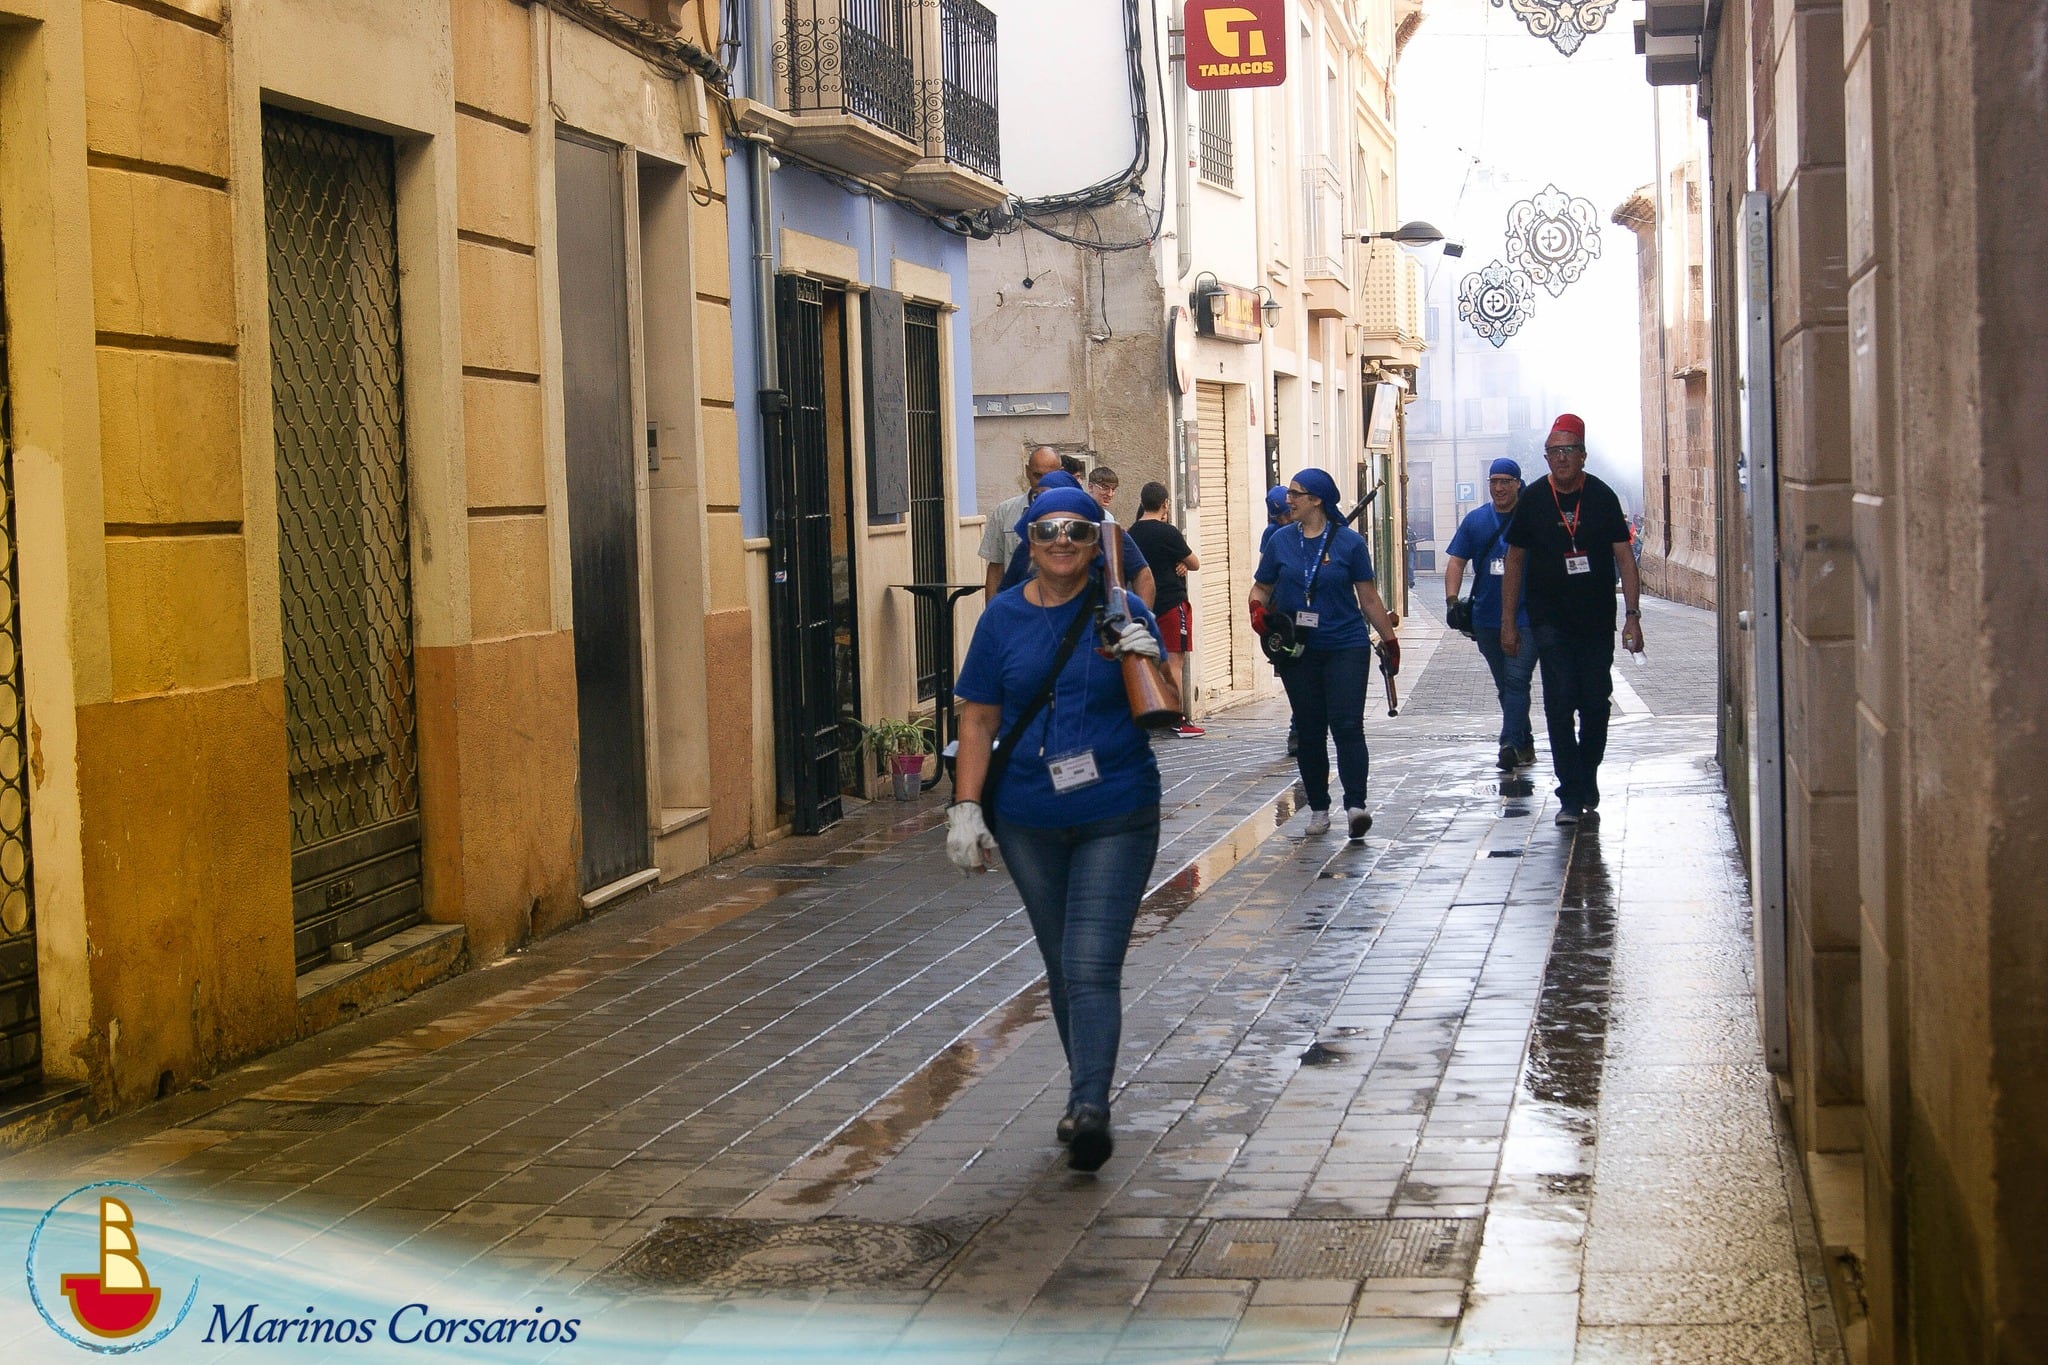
<point x="1218" y="152"/>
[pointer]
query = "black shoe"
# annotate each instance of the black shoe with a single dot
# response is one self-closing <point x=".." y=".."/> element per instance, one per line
<point x="1589" y="818"/>
<point x="1526" y="755"/>
<point x="1092" y="1143"/>
<point x="1569" y="815"/>
<point x="1293" y="744"/>
<point x="1507" y="757"/>
<point x="1064" y="1130"/>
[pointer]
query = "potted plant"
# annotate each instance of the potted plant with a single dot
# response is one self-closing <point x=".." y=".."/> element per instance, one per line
<point x="902" y="745"/>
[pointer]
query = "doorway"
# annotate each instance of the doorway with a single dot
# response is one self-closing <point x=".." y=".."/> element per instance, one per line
<point x="812" y="602"/>
<point x="344" y="547"/>
<point x="604" y="548"/>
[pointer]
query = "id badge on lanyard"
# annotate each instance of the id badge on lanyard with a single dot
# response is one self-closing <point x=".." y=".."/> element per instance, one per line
<point x="1072" y="772"/>
<point x="1310" y="618"/>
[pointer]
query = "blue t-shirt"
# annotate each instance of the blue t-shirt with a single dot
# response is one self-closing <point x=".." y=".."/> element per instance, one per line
<point x="1014" y="644"/>
<point x="1289" y="561"/>
<point x="1482" y="541"/>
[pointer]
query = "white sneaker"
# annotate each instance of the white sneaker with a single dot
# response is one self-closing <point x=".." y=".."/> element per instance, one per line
<point x="1361" y="821"/>
<point x="1318" y="822"/>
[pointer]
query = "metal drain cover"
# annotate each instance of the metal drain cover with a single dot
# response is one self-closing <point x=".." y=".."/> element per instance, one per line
<point x="1334" y="1249"/>
<point x="761" y="1253"/>
<point x="280" y="1116"/>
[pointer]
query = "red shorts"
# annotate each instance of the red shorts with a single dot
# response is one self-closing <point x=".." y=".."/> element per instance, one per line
<point x="1177" y="629"/>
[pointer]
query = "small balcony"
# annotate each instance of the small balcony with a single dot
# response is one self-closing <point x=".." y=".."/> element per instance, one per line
<point x="1323" y="248"/>
<point x="963" y="162"/>
<point x="898" y="92"/>
<point x="1390" y="319"/>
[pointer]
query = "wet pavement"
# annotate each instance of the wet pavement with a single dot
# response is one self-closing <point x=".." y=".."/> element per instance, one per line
<point x="1475" y="1089"/>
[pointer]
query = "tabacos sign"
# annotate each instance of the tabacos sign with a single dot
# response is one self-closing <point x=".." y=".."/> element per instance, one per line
<point x="1236" y="44"/>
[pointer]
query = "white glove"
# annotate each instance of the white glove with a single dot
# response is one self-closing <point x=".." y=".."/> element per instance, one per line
<point x="1136" y="639"/>
<point x="968" y="842"/>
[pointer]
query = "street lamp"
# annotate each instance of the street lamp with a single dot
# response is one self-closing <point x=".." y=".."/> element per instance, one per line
<point x="1413" y="233"/>
<point x="1269" y="307"/>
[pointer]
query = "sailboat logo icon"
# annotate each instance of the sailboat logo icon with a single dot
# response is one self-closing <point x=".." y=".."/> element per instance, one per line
<point x="119" y="1301"/>
<point x="121" y="1256"/>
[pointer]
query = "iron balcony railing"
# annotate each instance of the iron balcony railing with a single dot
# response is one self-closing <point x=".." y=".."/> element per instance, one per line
<point x="854" y="57"/>
<point x="967" y="59"/>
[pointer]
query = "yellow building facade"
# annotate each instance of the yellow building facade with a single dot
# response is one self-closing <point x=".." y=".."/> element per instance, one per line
<point x="314" y="493"/>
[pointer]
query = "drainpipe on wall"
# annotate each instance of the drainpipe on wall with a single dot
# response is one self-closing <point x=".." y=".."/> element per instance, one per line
<point x="1184" y="240"/>
<point x="761" y="86"/>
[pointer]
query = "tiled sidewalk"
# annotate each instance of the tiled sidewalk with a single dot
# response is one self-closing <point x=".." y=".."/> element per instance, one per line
<point x="1543" y="1043"/>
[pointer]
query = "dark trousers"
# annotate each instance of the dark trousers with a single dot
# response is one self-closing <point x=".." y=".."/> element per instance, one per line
<point x="1578" y="694"/>
<point x="1326" y="688"/>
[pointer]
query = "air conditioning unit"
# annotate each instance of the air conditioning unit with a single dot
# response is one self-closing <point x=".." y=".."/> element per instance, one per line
<point x="1680" y="18"/>
<point x="1673" y="60"/>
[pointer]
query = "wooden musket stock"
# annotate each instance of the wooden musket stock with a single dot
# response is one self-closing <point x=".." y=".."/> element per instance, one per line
<point x="1155" y="702"/>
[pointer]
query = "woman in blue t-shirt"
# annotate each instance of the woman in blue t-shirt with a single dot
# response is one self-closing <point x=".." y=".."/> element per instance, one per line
<point x="1317" y="572"/>
<point x="1076" y="811"/>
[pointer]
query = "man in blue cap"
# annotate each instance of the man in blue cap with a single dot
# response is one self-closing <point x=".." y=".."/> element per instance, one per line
<point x="1277" y="514"/>
<point x="1137" y="573"/>
<point x="1482" y="542"/>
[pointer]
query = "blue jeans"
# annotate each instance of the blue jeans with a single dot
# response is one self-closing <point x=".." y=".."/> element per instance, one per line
<point x="1326" y="688"/>
<point x="1081" y="887"/>
<point x="1511" y="674"/>
<point x="1578" y="693"/>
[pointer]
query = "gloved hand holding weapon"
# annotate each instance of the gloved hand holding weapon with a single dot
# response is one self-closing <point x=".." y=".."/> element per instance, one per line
<point x="1155" y="701"/>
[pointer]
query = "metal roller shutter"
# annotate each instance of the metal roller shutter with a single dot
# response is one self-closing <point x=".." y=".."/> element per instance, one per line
<point x="1213" y="609"/>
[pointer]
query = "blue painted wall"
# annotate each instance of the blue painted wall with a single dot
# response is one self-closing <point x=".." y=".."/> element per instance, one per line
<point x="880" y="233"/>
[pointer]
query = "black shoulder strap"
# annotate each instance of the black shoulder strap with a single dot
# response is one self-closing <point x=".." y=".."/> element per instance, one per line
<point x="999" y="761"/>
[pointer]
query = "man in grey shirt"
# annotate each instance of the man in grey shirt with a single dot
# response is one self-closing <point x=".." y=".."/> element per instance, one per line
<point x="999" y="534"/>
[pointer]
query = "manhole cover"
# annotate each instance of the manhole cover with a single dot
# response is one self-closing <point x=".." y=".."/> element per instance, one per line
<point x="761" y="1253"/>
<point x="280" y="1116"/>
<point x="1334" y="1249"/>
<point x="1504" y="853"/>
<point x="791" y="872"/>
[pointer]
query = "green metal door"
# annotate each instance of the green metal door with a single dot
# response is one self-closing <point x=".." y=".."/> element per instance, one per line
<point x="21" y="1050"/>
<point x="343" y="548"/>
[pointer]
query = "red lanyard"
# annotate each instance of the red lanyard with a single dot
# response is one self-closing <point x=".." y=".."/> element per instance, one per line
<point x="1571" y="523"/>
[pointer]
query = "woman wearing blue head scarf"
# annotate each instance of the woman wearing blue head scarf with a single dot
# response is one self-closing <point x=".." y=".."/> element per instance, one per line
<point x="1075" y="805"/>
<point x="1316" y="576"/>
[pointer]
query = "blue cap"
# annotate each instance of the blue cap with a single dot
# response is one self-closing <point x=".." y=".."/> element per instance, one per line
<point x="1059" y="478"/>
<point x="1318" y="484"/>
<point x="1067" y="499"/>
<point x="1276" y="501"/>
<point x="1504" y="466"/>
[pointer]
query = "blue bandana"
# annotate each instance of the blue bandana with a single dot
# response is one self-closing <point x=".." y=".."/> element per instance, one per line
<point x="1067" y="500"/>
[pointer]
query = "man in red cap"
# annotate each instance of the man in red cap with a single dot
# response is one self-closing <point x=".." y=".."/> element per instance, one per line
<point x="1566" y="544"/>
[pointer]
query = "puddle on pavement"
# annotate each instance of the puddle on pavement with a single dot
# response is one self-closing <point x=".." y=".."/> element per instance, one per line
<point x="887" y="1126"/>
<point x="1174" y="895"/>
<point x="1568" y="1046"/>
<point x="865" y="1145"/>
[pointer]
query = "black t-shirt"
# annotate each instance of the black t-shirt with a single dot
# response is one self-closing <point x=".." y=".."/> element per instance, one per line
<point x="1553" y="526"/>
<point x="1164" y="548"/>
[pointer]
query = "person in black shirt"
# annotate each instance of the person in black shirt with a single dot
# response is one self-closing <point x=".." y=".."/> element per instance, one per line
<point x="1566" y="546"/>
<point x="1171" y="561"/>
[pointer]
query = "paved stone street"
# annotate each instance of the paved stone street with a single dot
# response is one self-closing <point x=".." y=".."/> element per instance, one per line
<point x="1475" y="1089"/>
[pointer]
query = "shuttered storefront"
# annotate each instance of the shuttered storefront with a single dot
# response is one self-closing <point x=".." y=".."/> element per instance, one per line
<point x="1213" y="613"/>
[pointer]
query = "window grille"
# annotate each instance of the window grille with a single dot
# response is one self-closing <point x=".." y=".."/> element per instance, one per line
<point x="1217" y="148"/>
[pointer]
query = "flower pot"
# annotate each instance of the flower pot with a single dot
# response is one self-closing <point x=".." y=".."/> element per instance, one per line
<point x="906" y="775"/>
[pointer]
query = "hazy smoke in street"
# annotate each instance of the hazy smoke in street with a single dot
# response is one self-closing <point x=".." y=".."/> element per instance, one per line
<point x="1490" y="115"/>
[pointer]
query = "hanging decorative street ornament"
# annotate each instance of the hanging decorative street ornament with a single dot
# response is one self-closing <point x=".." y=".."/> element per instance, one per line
<point x="1552" y="236"/>
<point x="1566" y="23"/>
<point x="1496" y="301"/>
